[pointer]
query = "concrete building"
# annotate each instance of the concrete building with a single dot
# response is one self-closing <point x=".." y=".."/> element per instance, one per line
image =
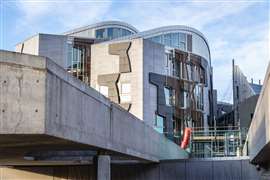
<point x="55" y="126"/>
<point x="245" y="96"/>
<point x="162" y="76"/>
<point x="225" y="115"/>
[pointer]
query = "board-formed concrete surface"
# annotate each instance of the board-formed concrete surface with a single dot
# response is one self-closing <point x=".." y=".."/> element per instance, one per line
<point x="192" y="169"/>
<point x="258" y="140"/>
<point x="43" y="108"/>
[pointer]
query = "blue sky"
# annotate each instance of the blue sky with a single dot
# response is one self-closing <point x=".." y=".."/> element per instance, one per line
<point x="234" y="29"/>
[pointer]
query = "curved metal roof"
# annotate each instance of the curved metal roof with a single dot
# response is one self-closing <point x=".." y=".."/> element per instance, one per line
<point x="101" y="24"/>
<point x="167" y="29"/>
<point x="143" y="34"/>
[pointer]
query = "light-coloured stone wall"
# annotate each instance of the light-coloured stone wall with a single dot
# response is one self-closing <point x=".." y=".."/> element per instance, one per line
<point x="145" y="57"/>
<point x="29" y="46"/>
<point x="104" y="63"/>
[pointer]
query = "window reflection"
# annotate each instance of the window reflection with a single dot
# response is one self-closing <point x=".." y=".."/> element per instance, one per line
<point x="125" y="95"/>
<point x="176" y="40"/>
<point x="183" y="99"/>
<point x="79" y="62"/>
<point x="159" y="124"/>
<point x="111" y="33"/>
<point x="169" y="96"/>
<point x="100" y="33"/>
<point x="198" y="92"/>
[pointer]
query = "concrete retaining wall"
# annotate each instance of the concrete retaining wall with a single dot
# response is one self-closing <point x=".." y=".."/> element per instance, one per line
<point x="234" y="169"/>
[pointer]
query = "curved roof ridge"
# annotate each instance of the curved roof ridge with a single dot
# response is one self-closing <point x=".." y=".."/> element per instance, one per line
<point x="172" y="28"/>
<point x="99" y="24"/>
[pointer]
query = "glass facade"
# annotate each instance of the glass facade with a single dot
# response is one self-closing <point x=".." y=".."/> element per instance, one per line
<point x="79" y="60"/>
<point x="111" y="33"/>
<point x="78" y="63"/>
<point x="189" y="42"/>
<point x="184" y="90"/>
<point x="184" y="70"/>
<point x="176" y="40"/>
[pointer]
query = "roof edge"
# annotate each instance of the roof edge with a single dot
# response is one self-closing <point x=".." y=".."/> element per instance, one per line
<point x="100" y="24"/>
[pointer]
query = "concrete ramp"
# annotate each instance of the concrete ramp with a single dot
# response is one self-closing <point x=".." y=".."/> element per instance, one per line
<point x="45" y="109"/>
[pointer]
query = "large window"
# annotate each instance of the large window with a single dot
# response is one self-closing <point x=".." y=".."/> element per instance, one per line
<point x="169" y="96"/>
<point x="198" y="93"/>
<point x="125" y="95"/>
<point x="111" y="33"/>
<point x="159" y="124"/>
<point x="176" y="40"/>
<point x="183" y="99"/>
<point x="79" y="61"/>
<point x="100" y="33"/>
<point x="104" y="90"/>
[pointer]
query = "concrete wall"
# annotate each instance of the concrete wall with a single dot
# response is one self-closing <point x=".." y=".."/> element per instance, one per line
<point x="246" y="111"/>
<point x="38" y="97"/>
<point x="258" y="141"/>
<point x="52" y="46"/>
<point x="234" y="169"/>
<point x="153" y="61"/>
<point x="22" y="94"/>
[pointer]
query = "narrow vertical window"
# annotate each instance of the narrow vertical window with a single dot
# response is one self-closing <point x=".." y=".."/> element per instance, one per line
<point x="159" y="123"/>
<point x="237" y="92"/>
<point x="125" y="95"/>
<point x="104" y="90"/>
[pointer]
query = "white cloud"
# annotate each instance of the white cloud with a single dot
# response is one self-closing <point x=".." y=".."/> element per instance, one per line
<point x="146" y="15"/>
<point x="67" y="14"/>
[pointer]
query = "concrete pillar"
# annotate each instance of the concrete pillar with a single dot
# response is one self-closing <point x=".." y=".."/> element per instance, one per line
<point x="104" y="167"/>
